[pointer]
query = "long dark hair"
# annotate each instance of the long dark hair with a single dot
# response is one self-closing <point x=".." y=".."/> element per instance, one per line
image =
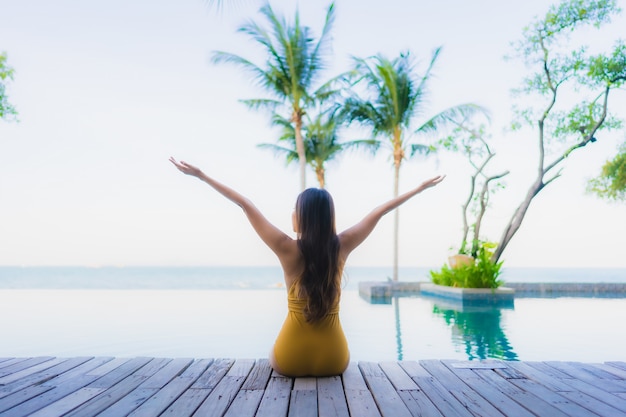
<point x="318" y="242"/>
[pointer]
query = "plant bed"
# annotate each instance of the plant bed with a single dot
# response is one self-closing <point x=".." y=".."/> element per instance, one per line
<point x="502" y="297"/>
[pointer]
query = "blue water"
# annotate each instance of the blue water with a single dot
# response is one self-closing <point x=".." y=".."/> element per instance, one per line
<point x="237" y="312"/>
<point x="265" y="277"/>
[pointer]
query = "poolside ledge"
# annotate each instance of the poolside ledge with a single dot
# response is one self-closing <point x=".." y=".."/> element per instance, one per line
<point x="381" y="292"/>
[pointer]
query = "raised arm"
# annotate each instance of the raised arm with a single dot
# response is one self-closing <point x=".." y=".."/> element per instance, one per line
<point x="355" y="235"/>
<point x="278" y="241"/>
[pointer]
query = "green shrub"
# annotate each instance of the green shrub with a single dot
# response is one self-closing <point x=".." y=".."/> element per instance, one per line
<point x="482" y="274"/>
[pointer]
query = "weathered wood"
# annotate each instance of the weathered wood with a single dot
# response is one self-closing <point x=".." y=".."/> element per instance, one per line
<point x="191" y="399"/>
<point x="12" y="377"/>
<point x="226" y="390"/>
<point x="147" y="387"/>
<point x="163" y="398"/>
<point x="303" y="403"/>
<point x="616" y="372"/>
<point x="536" y="405"/>
<point x="413" y="397"/>
<point x="459" y="387"/>
<point x="359" y="398"/>
<point x="258" y="377"/>
<point x="576" y="391"/>
<point x="157" y="373"/>
<point x="331" y="399"/>
<point x="67" y="403"/>
<point x="570" y="408"/>
<point x="576" y="371"/>
<point x="249" y="397"/>
<point x="55" y="389"/>
<point x="387" y="399"/>
<point x="23" y="364"/>
<point x="275" y="401"/>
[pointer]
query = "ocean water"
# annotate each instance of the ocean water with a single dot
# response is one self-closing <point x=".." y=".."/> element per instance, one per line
<point x="237" y="312"/>
<point x="263" y="277"/>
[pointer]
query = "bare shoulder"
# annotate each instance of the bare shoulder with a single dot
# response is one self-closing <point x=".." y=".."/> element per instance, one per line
<point x="291" y="261"/>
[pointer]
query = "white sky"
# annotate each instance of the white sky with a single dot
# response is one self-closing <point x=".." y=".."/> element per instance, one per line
<point x="107" y="91"/>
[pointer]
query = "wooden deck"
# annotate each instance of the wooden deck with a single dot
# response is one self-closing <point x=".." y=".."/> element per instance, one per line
<point x="104" y="386"/>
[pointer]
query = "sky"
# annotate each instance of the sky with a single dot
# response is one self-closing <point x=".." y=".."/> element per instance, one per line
<point x="107" y="91"/>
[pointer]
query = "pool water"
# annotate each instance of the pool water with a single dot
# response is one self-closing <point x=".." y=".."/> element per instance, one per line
<point x="244" y="324"/>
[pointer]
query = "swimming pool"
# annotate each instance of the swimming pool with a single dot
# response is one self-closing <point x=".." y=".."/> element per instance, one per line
<point x="244" y="323"/>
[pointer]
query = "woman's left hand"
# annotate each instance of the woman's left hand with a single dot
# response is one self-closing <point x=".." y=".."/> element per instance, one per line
<point x="186" y="168"/>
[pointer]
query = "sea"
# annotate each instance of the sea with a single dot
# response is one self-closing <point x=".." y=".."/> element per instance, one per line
<point x="251" y="277"/>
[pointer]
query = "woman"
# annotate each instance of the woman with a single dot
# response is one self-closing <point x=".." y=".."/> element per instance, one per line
<point x="311" y="341"/>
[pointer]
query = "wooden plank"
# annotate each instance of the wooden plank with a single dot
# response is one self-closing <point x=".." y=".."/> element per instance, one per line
<point x="602" y="371"/>
<point x="397" y="376"/>
<point x="56" y="388"/>
<point x="496" y="382"/>
<point x="258" y="377"/>
<point x="157" y="372"/>
<point x="193" y="397"/>
<point x="275" y="401"/>
<point x="413" y="397"/>
<point x="107" y="367"/>
<point x="549" y="370"/>
<point x="39" y="377"/>
<point x="616" y="372"/>
<point x="21" y="396"/>
<point x="11" y="362"/>
<point x="12" y="377"/>
<point x="117" y="373"/>
<point x="387" y="399"/>
<point x="597" y="406"/>
<point x="331" y="399"/>
<point x="617" y="364"/>
<point x="166" y="395"/>
<point x="303" y="403"/>
<point x="214" y="374"/>
<point x="226" y="390"/>
<point x="359" y="398"/>
<point x="249" y="397"/>
<point x="483" y="364"/>
<point x="305" y="384"/>
<point x="23" y="364"/>
<point x="67" y="403"/>
<point x="613" y="401"/>
<point x="107" y="397"/>
<point x="567" y="406"/>
<point x="187" y="403"/>
<point x="436" y="392"/>
<point x="562" y="384"/>
<point x="115" y="385"/>
<point x="533" y="373"/>
<point x="579" y="372"/>
<point x="460" y="383"/>
<point x="245" y="403"/>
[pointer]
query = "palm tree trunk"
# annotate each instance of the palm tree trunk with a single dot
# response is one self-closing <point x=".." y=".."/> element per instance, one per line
<point x="319" y="172"/>
<point x="300" y="149"/>
<point x="396" y="219"/>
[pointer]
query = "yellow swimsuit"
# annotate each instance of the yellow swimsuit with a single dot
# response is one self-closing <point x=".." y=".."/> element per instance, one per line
<point x="310" y="349"/>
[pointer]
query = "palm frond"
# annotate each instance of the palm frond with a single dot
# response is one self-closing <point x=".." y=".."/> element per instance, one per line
<point x="219" y="57"/>
<point x="290" y="154"/>
<point x="419" y="149"/>
<point x="262" y="103"/>
<point x="452" y="116"/>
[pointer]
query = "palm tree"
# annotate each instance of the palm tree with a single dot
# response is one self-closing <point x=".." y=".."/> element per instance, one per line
<point x="321" y="142"/>
<point x="293" y="65"/>
<point x="397" y="95"/>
